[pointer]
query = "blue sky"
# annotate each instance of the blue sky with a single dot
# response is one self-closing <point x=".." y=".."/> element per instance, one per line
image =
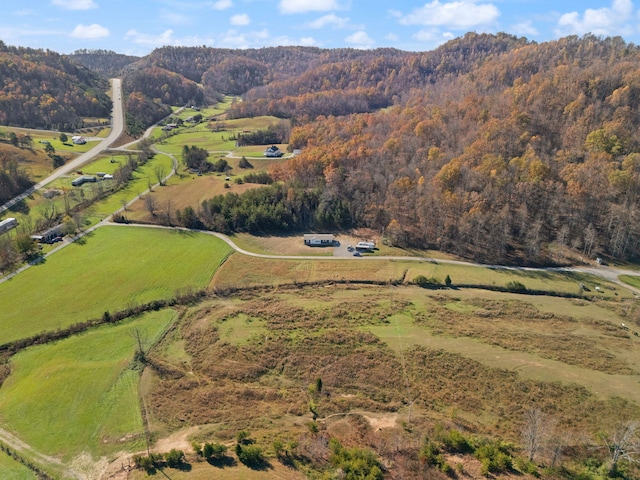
<point x="136" y="27"/>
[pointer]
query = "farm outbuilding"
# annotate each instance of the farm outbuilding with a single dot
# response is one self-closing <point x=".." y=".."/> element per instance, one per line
<point x="319" y="239"/>
<point x="8" y="224"/>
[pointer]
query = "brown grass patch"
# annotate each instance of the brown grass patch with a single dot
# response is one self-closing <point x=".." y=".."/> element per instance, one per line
<point x="510" y="324"/>
<point x="241" y="271"/>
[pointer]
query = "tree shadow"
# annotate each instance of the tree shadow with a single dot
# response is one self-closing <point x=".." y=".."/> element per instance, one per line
<point x="259" y="465"/>
<point x="222" y="462"/>
<point x="20" y="207"/>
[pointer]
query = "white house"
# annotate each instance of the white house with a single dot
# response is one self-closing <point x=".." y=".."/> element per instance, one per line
<point x="319" y="239"/>
<point x="273" y="151"/>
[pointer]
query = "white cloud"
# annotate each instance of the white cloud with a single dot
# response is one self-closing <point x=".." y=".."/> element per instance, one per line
<point x="165" y="38"/>
<point x="235" y="39"/>
<point x="612" y="20"/>
<point x="75" y="4"/>
<point x="308" y="41"/>
<point x="461" y="14"/>
<point x="24" y="12"/>
<point x="175" y="18"/>
<point x="392" y="37"/>
<point x="525" y="28"/>
<point x="360" y="39"/>
<point x="432" y="37"/>
<point x="330" y="20"/>
<point x="302" y="6"/>
<point x="240" y="20"/>
<point x="90" y="31"/>
<point x="222" y="5"/>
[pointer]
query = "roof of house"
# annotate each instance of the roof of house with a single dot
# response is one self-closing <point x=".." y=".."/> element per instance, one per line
<point x="319" y="236"/>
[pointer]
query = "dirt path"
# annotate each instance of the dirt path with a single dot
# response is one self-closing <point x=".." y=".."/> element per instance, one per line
<point x="46" y="462"/>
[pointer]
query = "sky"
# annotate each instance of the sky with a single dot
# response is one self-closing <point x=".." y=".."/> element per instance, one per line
<point x="136" y="27"/>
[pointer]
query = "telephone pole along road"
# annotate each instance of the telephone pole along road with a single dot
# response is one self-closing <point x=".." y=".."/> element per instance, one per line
<point x="117" y="127"/>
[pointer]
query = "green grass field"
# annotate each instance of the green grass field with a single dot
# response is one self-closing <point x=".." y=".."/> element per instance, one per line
<point x="116" y="266"/>
<point x="13" y="470"/>
<point x="80" y="394"/>
<point x="632" y="280"/>
<point x="145" y="174"/>
<point x="202" y="136"/>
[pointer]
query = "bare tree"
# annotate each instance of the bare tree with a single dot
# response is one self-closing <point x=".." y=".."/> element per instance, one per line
<point x="150" y="204"/>
<point x="536" y="432"/>
<point x="167" y="208"/>
<point x="160" y="174"/>
<point x="624" y="444"/>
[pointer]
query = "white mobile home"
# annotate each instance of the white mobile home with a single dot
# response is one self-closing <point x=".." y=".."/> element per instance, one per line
<point x="8" y="224"/>
<point x="319" y="239"/>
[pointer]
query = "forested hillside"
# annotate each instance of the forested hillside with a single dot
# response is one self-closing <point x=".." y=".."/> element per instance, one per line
<point x="105" y="62"/>
<point x="42" y="89"/>
<point x="497" y="159"/>
<point x="492" y="147"/>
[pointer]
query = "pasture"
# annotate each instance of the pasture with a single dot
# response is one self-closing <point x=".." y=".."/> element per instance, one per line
<point x="216" y="136"/>
<point x="111" y="268"/>
<point x="473" y="358"/>
<point x="242" y="271"/>
<point x="80" y="394"/>
<point x="13" y="470"/>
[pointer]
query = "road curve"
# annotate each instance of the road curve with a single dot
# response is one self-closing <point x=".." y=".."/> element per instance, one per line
<point x="117" y="127"/>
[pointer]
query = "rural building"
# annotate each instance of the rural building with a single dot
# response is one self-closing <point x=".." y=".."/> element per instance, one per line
<point x="8" y="224"/>
<point x="273" y="151"/>
<point x="319" y="239"/>
<point x="365" y="246"/>
<point x="83" y="179"/>
<point x="49" y="235"/>
<point x="78" y="140"/>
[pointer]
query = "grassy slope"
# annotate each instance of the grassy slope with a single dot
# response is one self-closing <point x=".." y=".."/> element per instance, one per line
<point x="474" y="358"/>
<point x="80" y="394"/>
<point x="116" y="266"/>
<point x="12" y="470"/>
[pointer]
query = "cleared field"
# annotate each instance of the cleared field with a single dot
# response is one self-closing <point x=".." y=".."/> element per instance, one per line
<point x="114" y="267"/>
<point x="217" y="136"/>
<point x="189" y="191"/>
<point x="242" y="271"/>
<point x="279" y="245"/>
<point x="12" y="470"/>
<point x="392" y="356"/>
<point x="80" y="394"/>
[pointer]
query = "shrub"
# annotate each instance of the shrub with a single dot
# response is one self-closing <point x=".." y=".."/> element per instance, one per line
<point x="250" y="455"/>
<point x="515" y="286"/>
<point x="455" y="442"/>
<point x="244" y="163"/>
<point x="525" y="466"/>
<point x="495" y="457"/>
<point x="214" y="450"/>
<point x="355" y="463"/>
<point x="425" y="282"/>
<point x="174" y="458"/>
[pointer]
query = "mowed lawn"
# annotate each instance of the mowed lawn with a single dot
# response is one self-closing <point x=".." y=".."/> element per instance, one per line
<point x="115" y="267"/>
<point x="81" y="393"/>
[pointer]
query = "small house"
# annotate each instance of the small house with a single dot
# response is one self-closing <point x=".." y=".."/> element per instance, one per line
<point x="52" y="233"/>
<point x="319" y="239"/>
<point x="273" y="151"/>
<point x="78" y="140"/>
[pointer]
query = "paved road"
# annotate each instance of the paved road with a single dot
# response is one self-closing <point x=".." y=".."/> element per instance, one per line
<point x="117" y="127"/>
